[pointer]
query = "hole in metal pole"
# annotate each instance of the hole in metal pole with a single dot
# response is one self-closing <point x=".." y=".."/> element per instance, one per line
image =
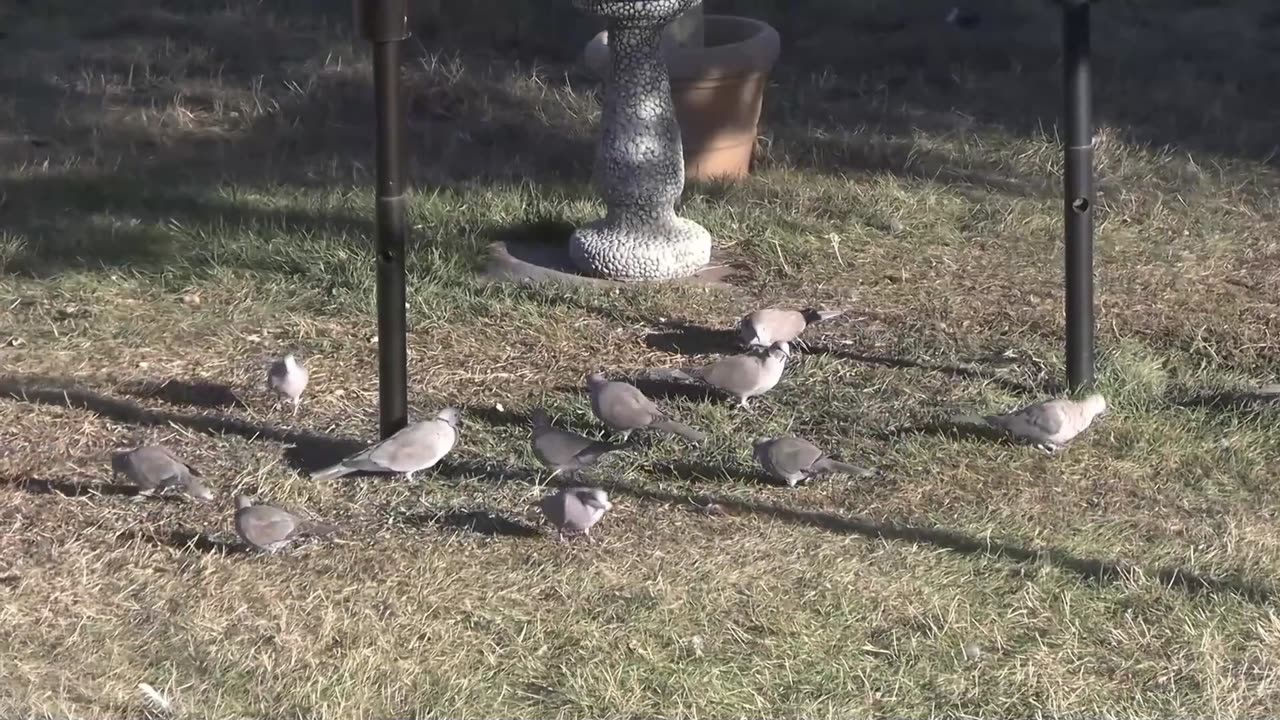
<point x="387" y="256"/>
<point x="1080" y="205"/>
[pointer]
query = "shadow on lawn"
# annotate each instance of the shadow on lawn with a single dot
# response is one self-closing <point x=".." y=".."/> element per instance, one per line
<point x="1092" y="569"/>
<point x="860" y="86"/>
<point x="195" y="393"/>
<point x="44" y="391"/>
<point x="72" y="488"/>
<point x="186" y="541"/>
<point x="1247" y="402"/>
<point x="682" y="338"/>
<point x="479" y="522"/>
<point x="309" y="451"/>
<point x="171" y="190"/>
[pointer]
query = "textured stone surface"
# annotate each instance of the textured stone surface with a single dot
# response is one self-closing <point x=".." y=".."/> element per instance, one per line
<point x="639" y="165"/>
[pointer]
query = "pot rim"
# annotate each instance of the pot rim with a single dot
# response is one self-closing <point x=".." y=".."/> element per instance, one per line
<point x="755" y="53"/>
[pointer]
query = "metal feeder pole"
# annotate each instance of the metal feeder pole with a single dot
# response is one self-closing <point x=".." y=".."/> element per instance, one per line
<point x="385" y="24"/>
<point x="1079" y="200"/>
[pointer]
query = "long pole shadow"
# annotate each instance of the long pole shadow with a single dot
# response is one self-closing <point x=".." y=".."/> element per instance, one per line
<point x="1092" y="569"/>
<point x="963" y="372"/>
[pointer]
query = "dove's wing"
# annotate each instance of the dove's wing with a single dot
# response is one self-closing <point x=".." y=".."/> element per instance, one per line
<point x="553" y="508"/>
<point x="738" y="374"/>
<point x="778" y="325"/>
<point x="1043" y="419"/>
<point x="262" y="524"/>
<point x="793" y="455"/>
<point x="277" y="373"/>
<point x="414" y="448"/>
<point x="179" y="462"/>
<point x="579" y="516"/>
<point x="624" y="405"/>
<point x="558" y="447"/>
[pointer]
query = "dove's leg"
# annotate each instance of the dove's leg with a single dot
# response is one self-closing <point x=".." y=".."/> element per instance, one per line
<point x="296" y="402"/>
<point x="409" y="476"/>
<point x="143" y="496"/>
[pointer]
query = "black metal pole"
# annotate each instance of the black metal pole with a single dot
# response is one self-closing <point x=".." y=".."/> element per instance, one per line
<point x="1078" y="182"/>
<point x="385" y="24"/>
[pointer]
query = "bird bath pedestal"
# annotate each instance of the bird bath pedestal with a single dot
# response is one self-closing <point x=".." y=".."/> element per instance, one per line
<point x="639" y="165"/>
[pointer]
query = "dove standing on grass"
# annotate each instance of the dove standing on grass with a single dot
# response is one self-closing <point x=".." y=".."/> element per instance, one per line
<point x="565" y="451"/>
<point x="743" y="376"/>
<point x="288" y="378"/>
<point x="792" y="459"/>
<point x="623" y="408"/>
<point x="573" y="511"/>
<point x="763" y="328"/>
<point x="1051" y="424"/>
<point x="153" y="468"/>
<point x="415" y="447"/>
<point x="268" y="528"/>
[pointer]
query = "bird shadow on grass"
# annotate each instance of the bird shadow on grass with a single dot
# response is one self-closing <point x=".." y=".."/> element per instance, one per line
<point x="1098" y="570"/>
<point x="458" y="469"/>
<point x="69" y="488"/>
<point x="681" y="338"/>
<point x="480" y="522"/>
<point x="694" y="472"/>
<point x="307" y="451"/>
<point x="196" y="393"/>
<point x="185" y="541"/>
<point x="951" y="429"/>
<point x="659" y="387"/>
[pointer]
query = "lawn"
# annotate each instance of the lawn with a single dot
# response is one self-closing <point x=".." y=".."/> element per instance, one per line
<point x="186" y="193"/>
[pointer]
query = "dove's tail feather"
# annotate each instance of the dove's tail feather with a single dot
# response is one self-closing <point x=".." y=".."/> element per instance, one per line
<point x="680" y="429"/>
<point x="835" y="466"/>
<point x="332" y="472"/>
<point x="197" y="489"/>
<point x="675" y="374"/>
<point x="974" y="419"/>
<point x="320" y="529"/>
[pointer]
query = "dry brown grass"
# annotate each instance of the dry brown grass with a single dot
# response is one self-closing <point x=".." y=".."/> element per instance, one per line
<point x="185" y="194"/>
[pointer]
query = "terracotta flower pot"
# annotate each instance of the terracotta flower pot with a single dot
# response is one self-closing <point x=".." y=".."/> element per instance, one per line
<point x="717" y="90"/>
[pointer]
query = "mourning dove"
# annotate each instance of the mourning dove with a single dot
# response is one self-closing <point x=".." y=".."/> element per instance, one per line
<point x="573" y="511"/>
<point x="288" y="378"/>
<point x="623" y="408"/>
<point x="268" y="528"/>
<point x="565" y="451"/>
<point x="153" y="468"/>
<point x="1051" y="424"/>
<point x="415" y="447"/>
<point x="763" y="328"/>
<point x="743" y="376"/>
<point x="793" y="459"/>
